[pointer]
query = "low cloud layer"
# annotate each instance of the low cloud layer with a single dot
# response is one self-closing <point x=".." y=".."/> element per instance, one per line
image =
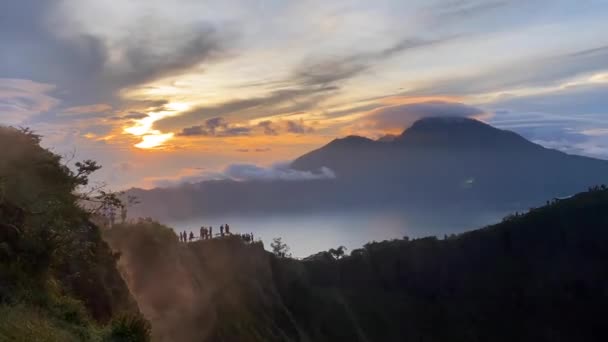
<point x="247" y="172"/>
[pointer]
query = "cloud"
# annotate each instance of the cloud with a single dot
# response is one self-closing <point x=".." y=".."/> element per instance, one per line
<point x="276" y="102"/>
<point x="20" y="100"/>
<point x="571" y="119"/>
<point x="297" y="127"/>
<point x="89" y="67"/>
<point x="245" y="172"/>
<point x="248" y="172"/>
<point x="268" y="127"/>
<point x="539" y="72"/>
<point x="328" y="71"/>
<point x="216" y="127"/>
<point x="88" y="109"/>
<point x="402" y="116"/>
<point x="311" y="82"/>
<point x="575" y="101"/>
<point x="219" y="127"/>
<point x="459" y="9"/>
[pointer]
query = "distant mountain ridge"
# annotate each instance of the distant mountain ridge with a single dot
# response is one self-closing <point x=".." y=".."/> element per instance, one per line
<point x="438" y="162"/>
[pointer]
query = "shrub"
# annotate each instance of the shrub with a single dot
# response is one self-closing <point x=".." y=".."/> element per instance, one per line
<point x="129" y="327"/>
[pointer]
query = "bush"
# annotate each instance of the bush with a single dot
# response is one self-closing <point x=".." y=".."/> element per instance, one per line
<point x="129" y="328"/>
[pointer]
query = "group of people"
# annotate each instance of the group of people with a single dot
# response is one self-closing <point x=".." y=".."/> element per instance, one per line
<point x="206" y="233"/>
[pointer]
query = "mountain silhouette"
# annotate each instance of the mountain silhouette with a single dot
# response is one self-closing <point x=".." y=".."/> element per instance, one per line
<point x="440" y="162"/>
<point x="456" y="159"/>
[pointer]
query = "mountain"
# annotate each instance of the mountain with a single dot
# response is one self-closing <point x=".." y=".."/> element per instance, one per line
<point x="444" y="162"/>
<point x="455" y="159"/>
<point x="539" y="276"/>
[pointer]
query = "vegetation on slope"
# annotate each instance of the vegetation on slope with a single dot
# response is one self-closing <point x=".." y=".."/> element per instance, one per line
<point x="58" y="278"/>
<point x="210" y="290"/>
<point x="541" y="276"/>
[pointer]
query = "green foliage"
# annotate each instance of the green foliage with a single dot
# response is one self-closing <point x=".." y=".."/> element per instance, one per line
<point x="25" y="324"/>
<point x="129" y="328"/>
<point x="55" y="269"/>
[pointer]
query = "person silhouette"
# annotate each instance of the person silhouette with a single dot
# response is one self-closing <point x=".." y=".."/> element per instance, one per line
<point x="185" y="236"/>
<point x="191" y="236"/>
<point x="222" y="230"/>
<point x="202" y="231"/>
<point x="227" y="227"/>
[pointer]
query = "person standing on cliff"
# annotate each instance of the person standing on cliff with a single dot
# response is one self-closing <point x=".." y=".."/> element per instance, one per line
<point x="202" y="231"/>
<point x="222" y="230"/>
<point x="227" y="227"/>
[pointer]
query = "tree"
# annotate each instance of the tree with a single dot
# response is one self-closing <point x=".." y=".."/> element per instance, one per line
<point x="279" y="248"/>
<point x="337" y="253"/>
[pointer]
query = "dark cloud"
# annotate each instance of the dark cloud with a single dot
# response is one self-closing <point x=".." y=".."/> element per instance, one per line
<point x="277" y="102"/>
<point x="268" y="127"/>
<point x="214" y="127"/>
<point x="80" y="65"/>
<point x="402" y="116"/>
<point x="193" y="131"/>
<point x="135" y="116"/>
<point x="234" y="131"/>
<point x="297" y="127"/>
<point x="219" y="127"/>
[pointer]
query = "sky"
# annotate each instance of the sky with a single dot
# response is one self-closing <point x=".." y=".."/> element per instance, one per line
<point x="163" y="92"/>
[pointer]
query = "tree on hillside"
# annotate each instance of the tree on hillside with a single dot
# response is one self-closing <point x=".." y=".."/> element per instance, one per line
<point x="338" y="253"/>
<point x="279" y="248"/>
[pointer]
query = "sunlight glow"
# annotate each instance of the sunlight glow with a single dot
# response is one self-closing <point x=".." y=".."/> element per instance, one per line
<point x="143" y="128"/>
<point x="155" y="139"/>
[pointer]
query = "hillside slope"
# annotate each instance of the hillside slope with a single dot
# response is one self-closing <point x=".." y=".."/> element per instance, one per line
<point x="540" y="276"/>
<point x="58" y="278"/>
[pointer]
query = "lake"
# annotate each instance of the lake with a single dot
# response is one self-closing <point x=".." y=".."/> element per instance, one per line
<point x="309" y="234"/>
